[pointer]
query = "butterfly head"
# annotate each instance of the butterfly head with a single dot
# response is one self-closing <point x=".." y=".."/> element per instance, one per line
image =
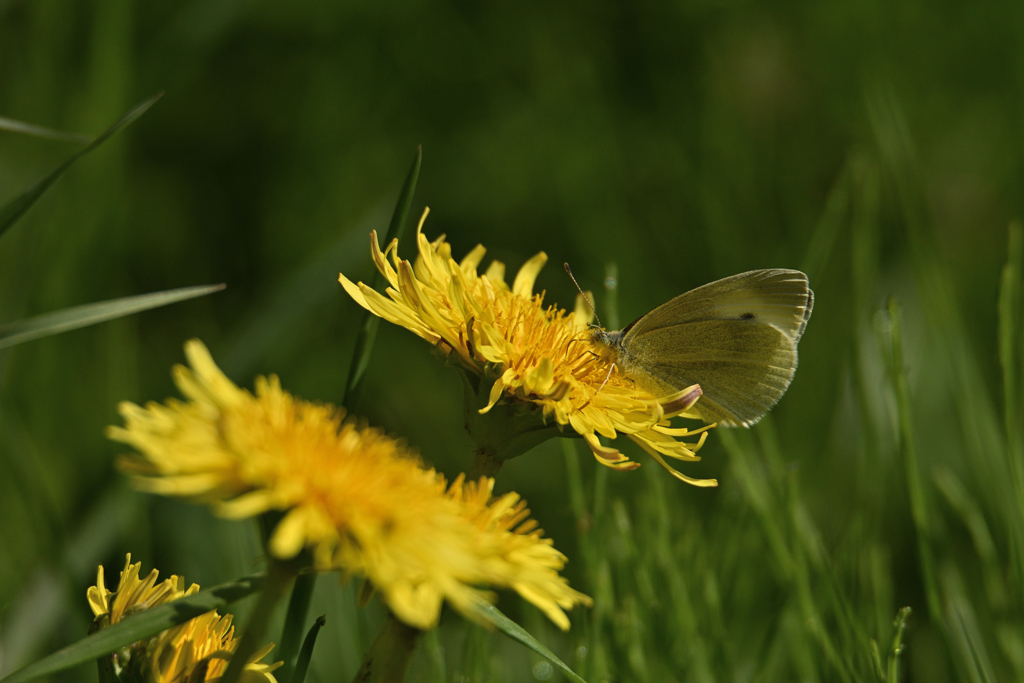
<point x="608" y="345"/>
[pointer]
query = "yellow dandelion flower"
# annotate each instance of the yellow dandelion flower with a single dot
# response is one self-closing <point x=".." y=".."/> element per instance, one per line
<point x="133" y="594"/>
<point x="539" y="354"/>
<point x="358" y="499"/>
<point x="196" y="650"/>
<point x="516" y="553"/>
<point x="200" y="649"/>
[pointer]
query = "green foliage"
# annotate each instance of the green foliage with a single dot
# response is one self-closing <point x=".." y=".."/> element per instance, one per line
<point x="518" y="634"/>
<point x="368" y="331"/>
<point x="91" y="314"/>
<point x="306" y="653"/>
<point x="14" y="209"/>
<point x="874" y="146"/>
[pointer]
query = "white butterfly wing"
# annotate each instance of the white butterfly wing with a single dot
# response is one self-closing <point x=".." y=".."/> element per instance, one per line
<point x="736" y="337"/>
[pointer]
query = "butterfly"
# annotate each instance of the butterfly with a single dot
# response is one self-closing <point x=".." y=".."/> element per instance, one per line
<point x="735" y="337"/>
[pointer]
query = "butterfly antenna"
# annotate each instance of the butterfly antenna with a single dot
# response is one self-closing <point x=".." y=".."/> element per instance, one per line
<point x="583" y="294"/>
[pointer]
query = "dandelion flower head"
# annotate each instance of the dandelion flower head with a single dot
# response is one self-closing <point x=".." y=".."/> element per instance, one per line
<point x="359" y="500"/>
<point x="196" y="650"/>
<point x="541" y="354"/>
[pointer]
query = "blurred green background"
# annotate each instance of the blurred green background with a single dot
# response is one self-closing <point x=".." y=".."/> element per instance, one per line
<point x="877" y="146"/>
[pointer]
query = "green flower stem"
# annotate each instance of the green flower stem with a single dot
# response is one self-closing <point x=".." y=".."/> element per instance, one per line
<point x="388" y="658"/>
<point x="509" y="429"/>
<point x="279" y="576"/>
<point x="485" y="464"/>
<point x="899" y="627"/>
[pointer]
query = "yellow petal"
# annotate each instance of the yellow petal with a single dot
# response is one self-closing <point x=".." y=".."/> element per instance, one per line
<point x="247" y="505"/>
<point x="583" y="311"/>
<point x="380" y="258"/>
<point x="496" y="391"/>
<point x="675" y="473"/>
<point x="604" y="455"/>
<point x="289" y="537"/>
<point x="681" y="401"/>
<point x="540" y="379"/>
<point x="472" y="260"/>
<point x="353" y="291"/>
<point x="527" y="275"/>
<point x="495" y="272"/>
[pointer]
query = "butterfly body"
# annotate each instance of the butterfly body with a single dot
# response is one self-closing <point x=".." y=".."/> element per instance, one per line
<point x="736" y="337"/>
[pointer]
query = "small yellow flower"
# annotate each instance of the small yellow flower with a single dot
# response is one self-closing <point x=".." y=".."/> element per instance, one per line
<point x="196" y="650"/>
<point x="541" y="355"/>
<point x="134" y="594"/>
<point x="360" y="500"/>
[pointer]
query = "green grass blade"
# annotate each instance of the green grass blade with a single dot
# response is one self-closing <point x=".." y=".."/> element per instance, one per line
<point x="278" y="579"/>
<point x="434" y="650"/>
<point x="302" y="664"/>
<point x="368" y="331"/>
<point x="965" y="634"/>
<point x="297" y="297"/>
<point x="298" y="608"/>
<point x="16" y="208"/>
<point x="520" y="635"/>
<point x="1009" y="353"/>
<point x="477" y="656"/>
<point x="899" y="624"/>
<point x="876" y="660"/>
<point x="834" y="217"/>
<point x="574" y="480"/>
<point x="14" y="126"/>
<point x="137" y="627"/>
<point x="969" y="512"/>
<point x="915" y="486"/>
<point x="937" y="285"/>
<point x="91" y="314"/>
<point x="865" y="190"/>
<point x="760" y="498"/>
<point x="402" y="206"/>
<point x="45" y="602"/>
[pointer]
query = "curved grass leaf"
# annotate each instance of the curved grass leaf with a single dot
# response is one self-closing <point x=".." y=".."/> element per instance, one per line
<point x="15" y="126"/>
<point x="298" y="608"/>
<point x="90" y="314"/>
<point x="519" y="634"/>
<point x="138" y="626"/>
<point x="302" y="663"/>
<point x="11" y="211"/>
<point x="1010" y="300"/>
<point x="915" y="484"/>
<point x="368" y="331"/>
<point x="297" y="298"/>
